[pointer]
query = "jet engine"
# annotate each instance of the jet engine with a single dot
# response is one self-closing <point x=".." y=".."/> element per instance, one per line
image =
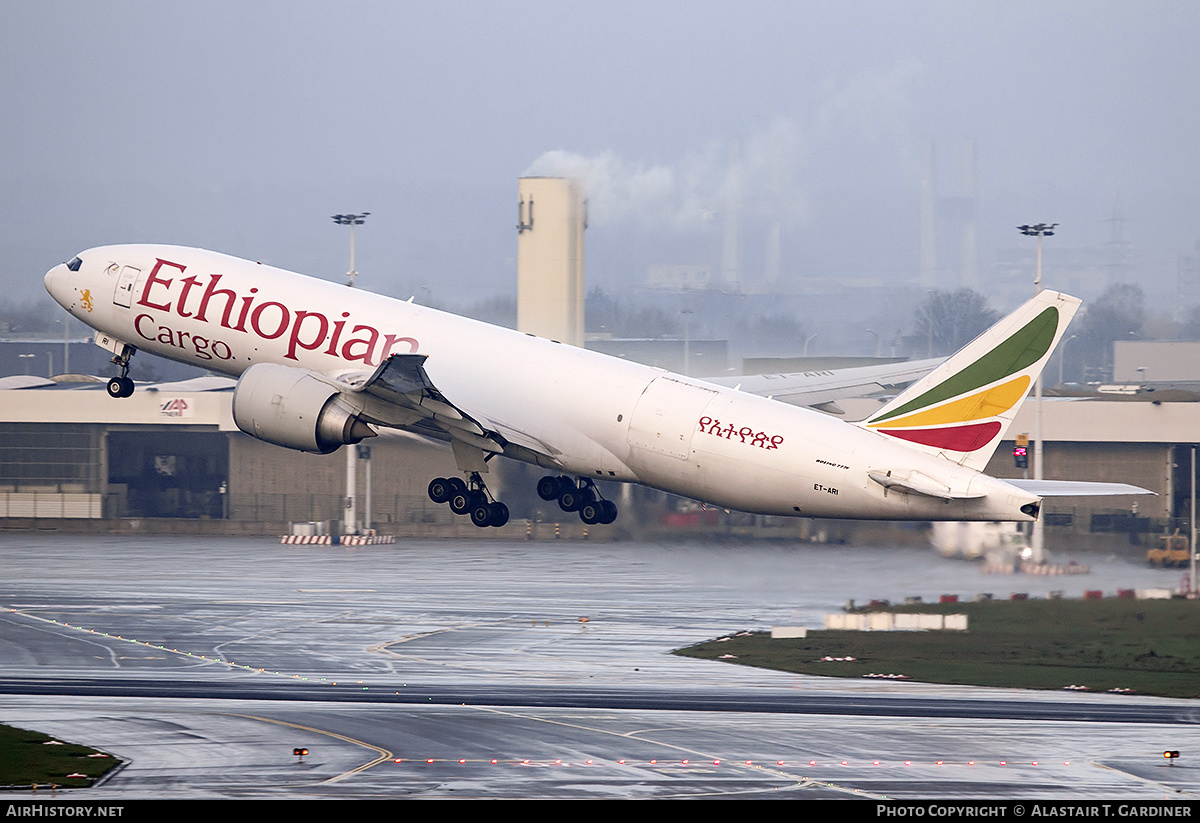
<point x="296" y="409"/>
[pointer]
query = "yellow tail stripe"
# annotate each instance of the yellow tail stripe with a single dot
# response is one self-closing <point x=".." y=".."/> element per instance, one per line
<point x="978" y="406"/>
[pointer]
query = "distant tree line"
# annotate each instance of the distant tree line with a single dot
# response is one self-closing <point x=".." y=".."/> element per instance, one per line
<point x="1087" y="347"/>
<point x="948" y="320"/>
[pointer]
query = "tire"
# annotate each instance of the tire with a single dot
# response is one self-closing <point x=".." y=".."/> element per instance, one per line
<point x="591" y="512"/>
<point x="439" y="490"/>
<point x="120" y="387"/>
<point x="481" y="515"/>
<point x="608" y="512"/>
<point x="462" y="502"/>
<point x="570" y="500"/>
<point x="549" y="488"/>
<point x="460" y="496"/>
<point x="499" y="514"/>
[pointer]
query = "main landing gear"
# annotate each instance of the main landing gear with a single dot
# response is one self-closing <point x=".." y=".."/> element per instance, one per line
<point x="122" y="386"/>
<point x="583" y="498"/>
<point x="469" y="498"/>
<point x="472" y="497"/>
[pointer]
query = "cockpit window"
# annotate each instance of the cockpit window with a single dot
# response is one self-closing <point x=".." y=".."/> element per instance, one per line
<point x="75" y="263"/>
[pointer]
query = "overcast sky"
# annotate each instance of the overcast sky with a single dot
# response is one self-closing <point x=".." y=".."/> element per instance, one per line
<point x="243" y="126"/>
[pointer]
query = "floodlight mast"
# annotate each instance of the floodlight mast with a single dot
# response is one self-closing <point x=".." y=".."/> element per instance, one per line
<point x="1038" y="230"/>
<point x="351" y="220"/>
<point x="350" y="520"/>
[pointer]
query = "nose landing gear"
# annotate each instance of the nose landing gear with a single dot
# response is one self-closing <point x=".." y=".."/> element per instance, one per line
<point x="583" y="498"/>
<point x="469" y="498"/>
<point x="122" y="386"/>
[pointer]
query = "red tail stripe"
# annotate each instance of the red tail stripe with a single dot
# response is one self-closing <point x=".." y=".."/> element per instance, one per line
<point x="954" y="438"/>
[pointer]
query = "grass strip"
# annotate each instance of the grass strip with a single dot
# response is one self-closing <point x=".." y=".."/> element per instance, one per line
<point x="1149" y="647"/>
<point x="28" y="758"/>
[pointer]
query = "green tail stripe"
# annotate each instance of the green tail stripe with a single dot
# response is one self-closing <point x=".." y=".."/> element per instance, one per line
<point x="1018" y="352"/>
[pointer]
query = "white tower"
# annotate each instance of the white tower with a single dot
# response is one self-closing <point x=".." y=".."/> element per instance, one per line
<point x="551" y="218"/>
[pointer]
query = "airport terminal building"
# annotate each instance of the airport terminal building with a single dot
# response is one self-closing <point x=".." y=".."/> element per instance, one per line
<point x="172" y="451"/>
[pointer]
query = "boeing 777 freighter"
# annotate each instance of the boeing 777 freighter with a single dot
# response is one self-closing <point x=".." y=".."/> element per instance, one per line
<point x="320" y="365"/>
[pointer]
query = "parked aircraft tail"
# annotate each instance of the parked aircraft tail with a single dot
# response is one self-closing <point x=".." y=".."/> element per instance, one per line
<point x="962" y="408"/>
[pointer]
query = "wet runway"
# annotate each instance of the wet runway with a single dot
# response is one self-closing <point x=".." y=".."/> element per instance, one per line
<point x="542" y="669"/>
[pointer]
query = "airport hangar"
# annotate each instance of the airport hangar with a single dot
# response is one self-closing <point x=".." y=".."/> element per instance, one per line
<point x="170" y="458"/>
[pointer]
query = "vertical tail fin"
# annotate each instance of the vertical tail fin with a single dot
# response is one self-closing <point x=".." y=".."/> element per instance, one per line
<point x="961" y="409"/>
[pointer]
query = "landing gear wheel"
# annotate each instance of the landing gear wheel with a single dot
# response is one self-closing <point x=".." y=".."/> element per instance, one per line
<point x="120" y="387"/>
<point x="598" y="511"/>
<point x="464" y="501"/>
<point x="499" y="514"/>
<point x="440" y="490"/>
<point x="550" y="487"/>
<point x="608" y="512"/>
<point x="570" y="500"/>
<point x="490" y="514"/>
<point x="481" y="515"/>
<point x="591" y="512"/>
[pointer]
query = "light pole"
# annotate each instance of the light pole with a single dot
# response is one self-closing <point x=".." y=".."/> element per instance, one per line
<point x="350" y="521"/>
<point x="351" y="220"/>
<point x="1039" y="231"/>
<point x="66" y="345"/>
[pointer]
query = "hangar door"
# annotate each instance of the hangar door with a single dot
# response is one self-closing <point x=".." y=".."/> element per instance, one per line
<point x="169" y="474"/>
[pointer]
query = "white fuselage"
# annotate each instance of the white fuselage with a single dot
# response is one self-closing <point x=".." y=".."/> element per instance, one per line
<point x="599" y="416"/>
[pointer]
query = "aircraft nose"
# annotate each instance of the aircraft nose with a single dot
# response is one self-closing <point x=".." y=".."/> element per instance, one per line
<point x="55" y="281"/>
<point x="58" y="284"/>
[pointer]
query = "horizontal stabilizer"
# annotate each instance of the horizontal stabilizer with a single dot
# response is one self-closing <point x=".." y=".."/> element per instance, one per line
<point x="1074" y="488"/>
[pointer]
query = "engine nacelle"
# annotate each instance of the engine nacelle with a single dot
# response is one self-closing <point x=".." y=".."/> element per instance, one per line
<point x="296" y="409"/>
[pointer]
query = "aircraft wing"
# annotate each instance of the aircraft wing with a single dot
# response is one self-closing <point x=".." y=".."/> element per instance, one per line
<point x="1074" y="488"/>
<point x="822" y="388"/>
<point x="408" y="399"/>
